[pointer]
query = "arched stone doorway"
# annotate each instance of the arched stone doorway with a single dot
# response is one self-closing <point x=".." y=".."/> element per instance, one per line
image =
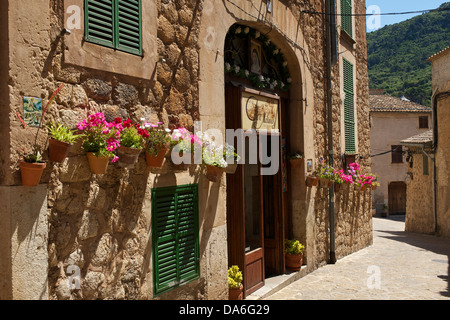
<point x="258" y="106"/>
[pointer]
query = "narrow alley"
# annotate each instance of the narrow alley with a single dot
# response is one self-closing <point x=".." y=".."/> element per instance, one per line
<point x="398" y="266"/>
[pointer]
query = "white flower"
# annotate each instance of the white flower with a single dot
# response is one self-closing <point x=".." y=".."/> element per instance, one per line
<point x="276" y="51"/>
<point x="260" y="78"/>
<point x="281" y="84"/>
<point x="257" y="34"/>
<point x="285" y="63"/>
<point x="227" y="66"/>
<point x="246" y="30"/>
<point x="289" y="80"/>
<point x="274" y="83"/>
<point x="267" y="42"/>
<point x="246" y="72"/>
<point x="236" y="69"/>
<point x="238" y="30"/>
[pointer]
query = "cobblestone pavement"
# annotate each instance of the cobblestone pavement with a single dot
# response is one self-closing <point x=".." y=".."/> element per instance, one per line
<point x="399" y="265"/>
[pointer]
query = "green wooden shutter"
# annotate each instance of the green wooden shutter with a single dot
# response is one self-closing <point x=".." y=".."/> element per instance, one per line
<point x="129" y="26"/>
<point x="346" y="17"/>
<point x="99" y="22"/>
<point x="114" y="23"/>
<point x="175" y="236"/>
<point x="349" y="108"/>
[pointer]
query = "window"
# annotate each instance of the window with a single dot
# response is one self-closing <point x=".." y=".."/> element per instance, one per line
<point x="349" y="112"/>
<point x="176" y="258"/>
<point x="397" y="155"/>
<point x="346" y="17"/>
<point x="423" y="122"/>
<point x="115" y="24"/>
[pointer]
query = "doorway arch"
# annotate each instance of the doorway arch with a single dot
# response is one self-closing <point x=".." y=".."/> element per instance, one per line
<point x="259" y="210"/>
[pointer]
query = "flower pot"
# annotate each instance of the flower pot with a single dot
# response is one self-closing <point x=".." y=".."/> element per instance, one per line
<point x="58" y="150"/>
<point x="31" y="172"/>
<point x="363" y="188"/>
<point x="98" y="165"/>
<point x="296" y="163"/>
<point x="213" y="173"/>
<point x="312" y="181"/>
<point x="324" y="182"/>
<point x="374" y="187"/>
<point x="236" y="293"/>
<point x="231" y="168"/>
<point x="293" y="261"/>
<point x="337" y="187"/>
<point x="158" y="160"/>
<point x="127" y="156"/>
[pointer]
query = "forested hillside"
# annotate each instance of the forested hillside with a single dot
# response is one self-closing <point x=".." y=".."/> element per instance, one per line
<point x="397" y="54"/>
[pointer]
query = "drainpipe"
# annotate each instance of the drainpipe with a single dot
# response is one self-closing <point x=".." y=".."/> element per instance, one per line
<point x="331" y="59"/>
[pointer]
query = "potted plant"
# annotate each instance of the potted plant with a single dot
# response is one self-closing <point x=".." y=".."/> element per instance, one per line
<point x="235" y="287"/>
<point x="182" y="147"/>
<point x="293" y="253"/>
<point x="212" y="157"/>
<point x="337" y="180"/>
<point x="341" y="180"/>
<point x="32" y="165"/>
<point x="60" y="140"/>
<point x="312" y="180"/>
<point x="230" y="154"/>
<point x="295" y="159"/>
<point x="157" y="142"/>
<point x="131" y="142"/>
<point x="100" y="140"/>
<point x="325" y="173"/>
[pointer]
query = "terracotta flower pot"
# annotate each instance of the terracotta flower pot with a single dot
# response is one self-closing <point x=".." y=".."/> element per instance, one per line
<point x="236" y="293"/>
<point x="374" y="187"/>
<point x="231" y="168"/>
<point x="158" y="160"/>
<point x="31" y="172"/>
<point x="213" y="173"/>
<point x="127" y="156"/>
<point x="312" y="181"/>
<point x="58" y="150"/>
<point x="98" y="165"/>
<point x="295" y="163"/>
<point x="324" y="182"/>
<point x="293" y="261"/>
<point x="337" y="187"/>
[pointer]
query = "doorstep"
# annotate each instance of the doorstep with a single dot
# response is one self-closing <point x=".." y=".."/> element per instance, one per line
<point x="276" y="283"/>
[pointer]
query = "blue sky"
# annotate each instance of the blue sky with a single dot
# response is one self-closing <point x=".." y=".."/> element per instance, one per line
<point x="387" y="6"/>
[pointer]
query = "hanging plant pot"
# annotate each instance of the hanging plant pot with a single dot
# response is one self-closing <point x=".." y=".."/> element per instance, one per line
<point x="296" y="162"/>
<point x="98" y="165"/>
<point x="236" y="293"/>
<point x="31" y="172"/>
<point x="363" y="188"/>
<point x="312" y="181"/>
<point x="374" y="187"/>
<point x="293" y="261"/>
<point x="231" y="168"/>
<point x="337" y="187"/>
<point x="58" y="150"/>
<point x="127" y="156"/>
<point x="324" y="183"/>
<point x="158" y="160"/>
<point x="213" y="173"/>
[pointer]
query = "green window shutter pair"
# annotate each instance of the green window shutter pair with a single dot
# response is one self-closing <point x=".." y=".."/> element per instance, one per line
<point x="175" y="236"/>
<point x="115" y="24"/>
<point x="346" y="17"/>
<point x="349" y="108"/>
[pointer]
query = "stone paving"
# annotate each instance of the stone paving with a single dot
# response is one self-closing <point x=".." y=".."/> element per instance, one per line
<point x="398" y="266"/>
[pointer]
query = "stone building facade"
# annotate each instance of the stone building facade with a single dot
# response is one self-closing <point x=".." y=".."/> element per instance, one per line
<point x="430" y="159"/>
<point x="97" y="229"/>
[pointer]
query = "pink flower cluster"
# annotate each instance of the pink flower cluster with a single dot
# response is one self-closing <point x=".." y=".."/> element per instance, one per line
<point x="346" y="177"/>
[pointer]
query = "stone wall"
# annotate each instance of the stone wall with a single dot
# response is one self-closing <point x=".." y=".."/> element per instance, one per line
<point x="102" y="224"/>
<point x="419" y="200"/>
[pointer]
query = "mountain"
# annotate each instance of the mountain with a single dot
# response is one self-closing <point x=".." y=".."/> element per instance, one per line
<point x="397" y="54"/>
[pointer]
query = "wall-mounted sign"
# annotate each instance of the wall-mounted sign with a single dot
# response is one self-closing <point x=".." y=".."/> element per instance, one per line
<point x="32" y="111"/>
<point x="259" y="112"/>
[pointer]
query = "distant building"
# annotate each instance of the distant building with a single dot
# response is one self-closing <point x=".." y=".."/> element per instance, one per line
<point x="428" y="208"/>
<point x="391" y="120"/>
